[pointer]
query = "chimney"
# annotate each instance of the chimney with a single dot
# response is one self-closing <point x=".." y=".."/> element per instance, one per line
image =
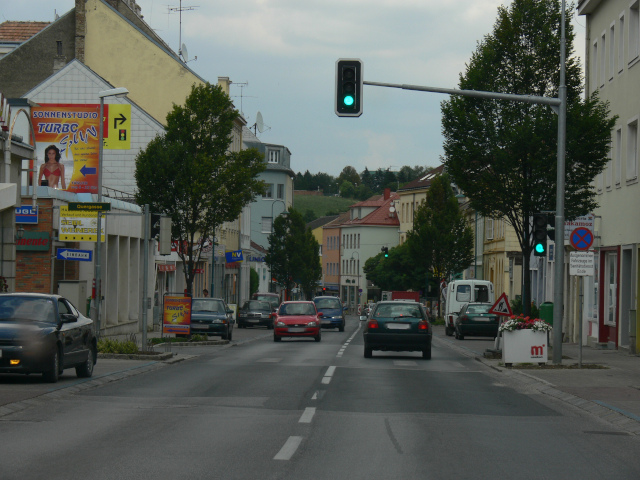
<point x="224" y="82"/>
<point x="81" y="29"/>
<point x="387" y="193"/>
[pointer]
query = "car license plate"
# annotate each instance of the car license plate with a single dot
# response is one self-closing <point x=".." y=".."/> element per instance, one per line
<point x="324" y="322"/>
<point x="197" y="327"/>
<point x="252" y="320"/>
<point x="482" y="319"/>
<point x="1" y="350"/>
<point x="296" y="329"/>
<point x="398" y="326"/>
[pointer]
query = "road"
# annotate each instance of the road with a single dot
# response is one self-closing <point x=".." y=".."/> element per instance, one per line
<point x="298" y="409"/>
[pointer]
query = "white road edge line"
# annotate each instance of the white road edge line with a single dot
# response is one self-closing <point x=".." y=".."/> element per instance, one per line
<point x="288" y="449"/>
<point x="307" y="415"/>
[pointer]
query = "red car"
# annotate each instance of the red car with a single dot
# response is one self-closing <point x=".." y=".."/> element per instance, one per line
<point x="297" y="319"/>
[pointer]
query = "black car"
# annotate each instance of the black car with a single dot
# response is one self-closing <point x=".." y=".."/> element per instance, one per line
<point x="398" y="326"/>
<point x="474" y="319"/>
<point x="45" y="334"/>
<point x="255" y="313"/>
<point x="211" y="316"/>
<point x="332" y="312"/>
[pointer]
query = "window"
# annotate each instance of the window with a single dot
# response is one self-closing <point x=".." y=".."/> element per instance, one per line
<point x="608" y="170"/>
<point x="268" y="193"/>
<point x="621" y="44"/>
<point x="617" y="155"/>
<point x="634" y="31"/>
<point x="632" y="149"/>
<point x="463" y="294"/>
<point x="274" y="156"/>
<point x="266" y="224"/>
<point x="489" y="228"/>
<point x="594" y="73"/>
<point x="612" y="51"/>
<point x="280" y="191"/>
<point x="599" y="182"/>
<point x="603" y="60"/>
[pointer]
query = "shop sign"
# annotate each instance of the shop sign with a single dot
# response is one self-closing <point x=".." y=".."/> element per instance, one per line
<point x="34" y="241"/>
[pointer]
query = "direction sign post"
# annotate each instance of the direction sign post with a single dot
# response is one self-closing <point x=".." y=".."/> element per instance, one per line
<point x="73" y="254"/>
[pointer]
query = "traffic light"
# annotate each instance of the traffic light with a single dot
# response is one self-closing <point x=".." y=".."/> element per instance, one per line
<point x="349" y="87"/>
<point x="540" y="234"/>
<point x="385" y="250"/>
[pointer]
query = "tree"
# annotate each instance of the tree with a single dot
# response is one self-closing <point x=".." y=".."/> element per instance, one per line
<point x="397" y="272"/>
<point x="254" y="281"/>
<point x="441" y="239"/>
<point x="349" y="174"/>
<point x="190" y="174"/>
<point x="293" y="254"/>
<point x="503" y="154"/>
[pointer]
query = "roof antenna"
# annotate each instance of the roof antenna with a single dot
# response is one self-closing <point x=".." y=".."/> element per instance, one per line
<point x="182" y="51"/>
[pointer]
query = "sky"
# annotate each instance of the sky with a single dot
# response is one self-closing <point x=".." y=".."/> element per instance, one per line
<point x="281" y="55"/>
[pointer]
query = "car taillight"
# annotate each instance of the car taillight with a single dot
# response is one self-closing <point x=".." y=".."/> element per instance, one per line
<point x="423" y="325"/>
<point x="451" y="319"/>
<point x="372" y="324"/>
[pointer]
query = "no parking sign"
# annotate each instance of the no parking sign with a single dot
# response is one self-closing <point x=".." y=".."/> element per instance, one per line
<point x="581" y="238"/>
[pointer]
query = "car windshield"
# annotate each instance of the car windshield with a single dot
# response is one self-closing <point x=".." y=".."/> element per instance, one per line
<point x="478" y="309"/>
<point x="205" y="305"/>
<point x="24" y="309"/>
<point x="392" y="311"/>
<point x="328" y="303"/>
<point x="297" y="309"/>
<point x="256" y="305"/>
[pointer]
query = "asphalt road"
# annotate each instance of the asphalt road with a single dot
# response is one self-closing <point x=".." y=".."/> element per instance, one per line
<point x="298" y="409"/>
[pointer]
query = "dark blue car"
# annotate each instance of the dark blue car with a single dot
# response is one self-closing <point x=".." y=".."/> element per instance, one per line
<point x="332" y="312"/>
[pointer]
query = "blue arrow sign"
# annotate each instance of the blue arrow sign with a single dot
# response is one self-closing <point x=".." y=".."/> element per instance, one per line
<point x="87" y="170"/>
<point x="72" y="254"/>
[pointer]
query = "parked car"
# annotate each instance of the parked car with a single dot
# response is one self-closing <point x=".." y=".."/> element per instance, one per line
<point x="366" y="310"/>
<point x="255" y="313"/>
<point x="45" y="334"/>
<point x="297" y="319"/>
<point x="211" y="316"/>
<point x="332" y="312"/>
<point x="474" y="319"/>
<point x="272" y="298"/>
<point x="398" y="326"/>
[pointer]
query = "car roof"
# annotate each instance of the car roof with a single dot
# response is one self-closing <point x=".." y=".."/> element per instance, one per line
<point x="395" y="302"/>
<point x="298" y="301"/>
<point x="326" y="296"/>
<point x="32" y="294"/>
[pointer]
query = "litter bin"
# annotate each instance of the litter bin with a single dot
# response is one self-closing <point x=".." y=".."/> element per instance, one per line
<point x="546" y="312"/>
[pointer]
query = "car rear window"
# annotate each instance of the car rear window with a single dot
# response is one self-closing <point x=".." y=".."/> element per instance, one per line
<point x="400" y="310"/>
<point x="478" y="308"/>
<point x="327" y="303"/>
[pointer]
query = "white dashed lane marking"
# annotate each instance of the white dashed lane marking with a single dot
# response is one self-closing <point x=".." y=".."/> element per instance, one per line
<point x="288" y="449"/>
<point x="307" y="415"/>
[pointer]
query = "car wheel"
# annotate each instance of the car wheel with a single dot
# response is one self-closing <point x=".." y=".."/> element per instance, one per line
<point x="426" y="353"/>
<point x="276" y="338"/>
<point x="53" y="373"/>
<point x="269" y="326"/>
<point x="318" y="338"/>
<point x="86" y="369"/>
<point x="449" y="331"/>
<point x="341" y="327"/>
<point x="459" y="335"/>
<point x="230" y="334"/>
<point x="368" y="352"/>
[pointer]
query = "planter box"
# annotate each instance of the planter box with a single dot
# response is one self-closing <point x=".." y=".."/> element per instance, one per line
<point x="524" y="346"/>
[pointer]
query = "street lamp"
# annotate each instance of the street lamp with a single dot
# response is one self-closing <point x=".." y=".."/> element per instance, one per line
<point x="114" y="92"/>
<point x="273" y="202"/>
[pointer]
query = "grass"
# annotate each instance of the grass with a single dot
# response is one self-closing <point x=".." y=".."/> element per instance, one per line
<point x="322" y="206"/>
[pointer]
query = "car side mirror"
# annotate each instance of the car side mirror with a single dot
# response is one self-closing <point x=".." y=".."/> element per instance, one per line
<point x="320" y="314"/>
<point x="68" y="318"/>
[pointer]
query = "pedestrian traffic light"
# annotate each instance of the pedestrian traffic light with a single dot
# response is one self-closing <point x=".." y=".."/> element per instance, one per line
<point x="385" y="250"/>
<point x="540" y="234"/>
<point x="348" y="87"/>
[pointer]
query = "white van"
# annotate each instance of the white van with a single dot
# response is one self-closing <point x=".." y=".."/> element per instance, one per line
<point x="460" y="292"/>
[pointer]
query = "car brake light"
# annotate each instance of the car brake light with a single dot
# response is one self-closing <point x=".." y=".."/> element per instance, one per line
<point x="372" y="324"/>
<point x="423" y="325"/>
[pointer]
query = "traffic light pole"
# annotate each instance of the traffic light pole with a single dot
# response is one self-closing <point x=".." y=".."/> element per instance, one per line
<point x="559" y="105"/>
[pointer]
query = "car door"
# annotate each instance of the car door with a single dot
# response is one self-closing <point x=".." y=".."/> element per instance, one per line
<point x="71" y="332"/>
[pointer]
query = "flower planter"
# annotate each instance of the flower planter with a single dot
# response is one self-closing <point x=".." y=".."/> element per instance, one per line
<point x="524" y="346"/>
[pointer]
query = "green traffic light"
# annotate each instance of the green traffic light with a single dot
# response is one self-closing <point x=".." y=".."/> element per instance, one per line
<point x="348" y="100"/>
<point x="539" y="248"/>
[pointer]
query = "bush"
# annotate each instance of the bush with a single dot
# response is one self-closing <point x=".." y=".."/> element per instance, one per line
<point x="516" y="308"/>
<point x="108" y="345"/>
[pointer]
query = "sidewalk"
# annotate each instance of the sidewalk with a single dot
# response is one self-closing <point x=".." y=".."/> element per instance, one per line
<point x="612" y="392"/>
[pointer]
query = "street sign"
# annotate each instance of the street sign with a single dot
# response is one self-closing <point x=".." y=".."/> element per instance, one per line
<point x="73" y="254"/>
<point x="501" y="307"/>
<point x="586" y="221"/>
<point x="581" y="238"/>
<point x="89" y="207"/>
<point x="582" y="264"/>
<point x="26" y="214"/>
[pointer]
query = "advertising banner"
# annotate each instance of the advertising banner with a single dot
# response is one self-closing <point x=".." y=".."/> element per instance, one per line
<point x="78" y="226"/>
<point x="73" y="130"/>
<point x="176" y="315"/>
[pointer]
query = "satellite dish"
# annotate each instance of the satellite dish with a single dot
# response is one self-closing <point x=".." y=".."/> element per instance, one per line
<point x="184" y="53"/>
<point x="259" y="122"/>
<point x="392" y="209"/>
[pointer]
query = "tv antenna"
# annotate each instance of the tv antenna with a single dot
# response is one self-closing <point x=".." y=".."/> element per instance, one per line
<point x="182" y="51"/>
<point x="241" y="85"/>
<point x="259" y="126"/>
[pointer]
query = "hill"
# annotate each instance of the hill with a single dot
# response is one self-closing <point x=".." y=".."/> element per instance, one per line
<point x="321" y="205"/>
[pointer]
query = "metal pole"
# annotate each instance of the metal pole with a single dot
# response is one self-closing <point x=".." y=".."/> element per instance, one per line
<point x="145" y="276"/>
<point x="558" y="296"/>
<point x="581" y="279"/>
<point x="99" y="230"/>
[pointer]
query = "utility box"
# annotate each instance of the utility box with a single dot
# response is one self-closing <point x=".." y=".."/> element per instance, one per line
<point x="546" y="312"/>
<point x="75" y="291"/>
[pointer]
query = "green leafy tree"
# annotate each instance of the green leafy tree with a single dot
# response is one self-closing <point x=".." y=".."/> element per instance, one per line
<point x="190" y="174"/>
<point x="396" y="272"/>
<point x="441" y="240"/>
<point x="254" y="281"/>
<point x="349" y="174"/>
<point x="294" y="254"/>
<point x="503" y="154"/>
<point x="347" y="190"/>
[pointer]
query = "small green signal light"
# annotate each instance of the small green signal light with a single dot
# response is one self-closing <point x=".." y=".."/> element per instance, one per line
<point x="348" y="100"/>
<point x="539" y="248"/>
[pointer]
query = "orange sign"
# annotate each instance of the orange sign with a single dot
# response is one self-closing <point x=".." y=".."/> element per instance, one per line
<point x="176" y="315"/>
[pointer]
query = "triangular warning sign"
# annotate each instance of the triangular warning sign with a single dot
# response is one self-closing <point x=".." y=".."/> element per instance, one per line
<point x="501" y="307"/>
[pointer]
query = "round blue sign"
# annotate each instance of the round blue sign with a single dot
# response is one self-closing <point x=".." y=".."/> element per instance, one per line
<point x="581" y="238"/>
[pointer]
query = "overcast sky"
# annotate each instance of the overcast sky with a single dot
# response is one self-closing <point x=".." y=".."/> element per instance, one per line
<point x="281" y="56"/>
